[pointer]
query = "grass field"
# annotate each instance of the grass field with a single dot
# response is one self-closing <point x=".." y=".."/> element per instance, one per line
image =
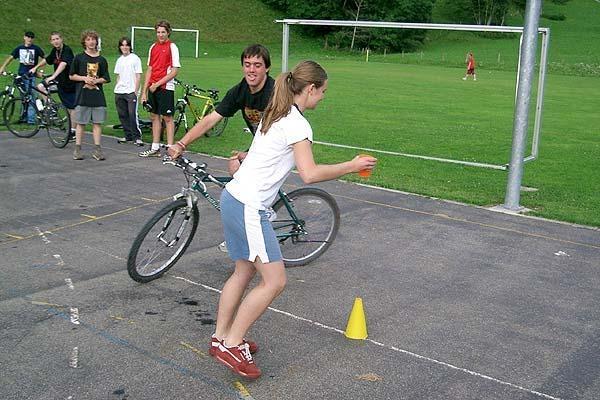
<point x="429" y="110"/>
<point x="413" y="103"/>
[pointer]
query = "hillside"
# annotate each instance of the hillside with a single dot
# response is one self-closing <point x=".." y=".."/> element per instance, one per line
<point x="219" y="21"/>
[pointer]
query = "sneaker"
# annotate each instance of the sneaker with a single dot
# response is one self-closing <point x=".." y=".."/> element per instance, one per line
<point x="464" y="79"/>
<point x="238" y="359"/>
<point x="72" y="135"/>
<point x="77" y="155"/>
<point x="223" y="247"/>
<point x="138" y="142"/>
<point x="97" y="154"/>
<point x="214" y="345"/>
<point x="150" y="153"/>
<point x="124" y="141"/>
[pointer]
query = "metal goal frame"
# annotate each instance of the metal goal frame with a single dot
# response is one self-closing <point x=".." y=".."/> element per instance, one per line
<point x="545" y="35"/>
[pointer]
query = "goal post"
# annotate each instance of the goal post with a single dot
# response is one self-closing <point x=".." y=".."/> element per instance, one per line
<point x="545" y="33"/>
<point x="194" y="32"/>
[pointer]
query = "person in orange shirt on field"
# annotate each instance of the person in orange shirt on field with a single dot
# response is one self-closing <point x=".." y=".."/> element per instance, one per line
<point x="470" y="67"/>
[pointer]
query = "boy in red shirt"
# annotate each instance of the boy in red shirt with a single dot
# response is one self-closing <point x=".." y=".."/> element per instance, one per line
<point x="159" y="88"/>
<point x="470" y="67"/>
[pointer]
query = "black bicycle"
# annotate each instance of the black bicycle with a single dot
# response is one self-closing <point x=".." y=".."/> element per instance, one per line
<point x="48" y="113"/>
<point x="306" y="223"/>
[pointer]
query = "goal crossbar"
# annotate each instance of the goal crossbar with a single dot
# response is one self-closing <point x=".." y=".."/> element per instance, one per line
<point x="545" y="32"/>
<point x="149" y="28"/>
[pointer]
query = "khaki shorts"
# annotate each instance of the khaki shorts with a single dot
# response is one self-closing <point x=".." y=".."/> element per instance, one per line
<point x="85" y="115"/>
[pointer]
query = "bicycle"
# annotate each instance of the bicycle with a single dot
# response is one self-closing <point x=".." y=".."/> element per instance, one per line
<point x="210" y="103"/>
<point x="49" y="114"/>
<point x="306" y="224"/>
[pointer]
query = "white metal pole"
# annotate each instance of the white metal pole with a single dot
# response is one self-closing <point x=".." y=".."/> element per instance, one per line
<point x="527" y="62"/>
<point x="285" y="47"/>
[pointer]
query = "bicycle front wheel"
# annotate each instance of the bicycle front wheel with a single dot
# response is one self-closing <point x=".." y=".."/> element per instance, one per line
<point x="220" y="126"/>
<point x="58" y="125"/>
<point x="162" y="241"/>
<point x="306" y="225"/>
<point x="15" y="118"/>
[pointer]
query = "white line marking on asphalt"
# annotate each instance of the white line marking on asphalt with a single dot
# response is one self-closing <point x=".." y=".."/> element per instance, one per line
<point x="74" y="360"/>
<point x="409" y="353"/>
<point x="74" y="315"/>
<point x="43" y="235"/>
<point x="69" y="283"/>
<point x="60" y="260"/>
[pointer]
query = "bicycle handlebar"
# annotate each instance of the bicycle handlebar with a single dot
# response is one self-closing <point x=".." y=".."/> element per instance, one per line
<point x="214" y="93"/>
<point x="18" y="78"/>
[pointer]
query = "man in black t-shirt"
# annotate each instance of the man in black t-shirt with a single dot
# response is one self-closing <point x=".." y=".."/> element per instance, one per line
<point x="61" y="57"/>
<point x="28" y="55"/>
<point x="90" y="71"/>
<point x="250" y="96"/>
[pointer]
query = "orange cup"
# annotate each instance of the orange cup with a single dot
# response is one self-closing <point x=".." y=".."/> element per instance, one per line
<point x="364" y="173"/>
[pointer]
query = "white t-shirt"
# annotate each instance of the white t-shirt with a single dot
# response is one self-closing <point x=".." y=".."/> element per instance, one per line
<point x="127" y="67"/>
<point x="269" y="161"/>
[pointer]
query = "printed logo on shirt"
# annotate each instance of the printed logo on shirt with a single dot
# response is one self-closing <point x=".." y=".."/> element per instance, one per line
<point x="253" y="116"/>
<point x="27" y="56"/>
<point x="92" y="69"/>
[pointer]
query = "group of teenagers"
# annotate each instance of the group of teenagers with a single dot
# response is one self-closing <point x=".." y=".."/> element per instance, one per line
<point x="273" y="110"/>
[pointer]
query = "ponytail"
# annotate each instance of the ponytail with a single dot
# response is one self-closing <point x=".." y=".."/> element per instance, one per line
<point x="287" y="85"/>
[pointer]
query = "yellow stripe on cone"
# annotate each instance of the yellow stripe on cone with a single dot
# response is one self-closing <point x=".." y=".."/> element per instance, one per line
<point x="357" y="324"/>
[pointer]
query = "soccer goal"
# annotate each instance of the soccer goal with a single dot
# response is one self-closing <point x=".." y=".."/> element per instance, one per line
<point x="186" y="39"/>
<point x="545" y="35"/>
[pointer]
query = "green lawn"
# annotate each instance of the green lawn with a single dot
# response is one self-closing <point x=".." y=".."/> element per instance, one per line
<point x="429" y="110"/>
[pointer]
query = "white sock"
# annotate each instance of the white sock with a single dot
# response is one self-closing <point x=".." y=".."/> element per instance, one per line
<point x="155" y="146"/>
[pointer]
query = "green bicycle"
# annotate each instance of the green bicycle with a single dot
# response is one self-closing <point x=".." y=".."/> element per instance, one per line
<point x="209" y="97"/>
<point x="306" y="222"/>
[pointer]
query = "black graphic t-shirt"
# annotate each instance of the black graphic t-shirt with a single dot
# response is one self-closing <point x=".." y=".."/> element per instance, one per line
<point x="28" y="57"/>
<point x="252" y="105"/>
<point x="55" y="58"/>
<point x="86" y="65"/>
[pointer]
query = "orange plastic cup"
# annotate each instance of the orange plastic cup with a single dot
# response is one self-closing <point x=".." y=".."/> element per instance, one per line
<point x="364" y="173"/>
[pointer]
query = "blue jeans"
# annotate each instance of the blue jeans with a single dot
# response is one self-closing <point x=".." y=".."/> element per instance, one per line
<point x="28" y="84"/>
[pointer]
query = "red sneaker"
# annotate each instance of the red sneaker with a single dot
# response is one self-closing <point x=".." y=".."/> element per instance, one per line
<point x="238" y="359"/>
<point x="214" y="345"/>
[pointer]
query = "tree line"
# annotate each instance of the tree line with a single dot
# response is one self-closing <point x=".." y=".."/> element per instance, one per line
<point x="480" y="12"/>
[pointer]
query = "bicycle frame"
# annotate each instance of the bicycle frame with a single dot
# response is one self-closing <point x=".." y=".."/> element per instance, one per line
<point x="198" y="186"/>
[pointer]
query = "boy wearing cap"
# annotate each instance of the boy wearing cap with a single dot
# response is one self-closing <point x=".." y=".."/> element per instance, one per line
<point x="28" y="55"/>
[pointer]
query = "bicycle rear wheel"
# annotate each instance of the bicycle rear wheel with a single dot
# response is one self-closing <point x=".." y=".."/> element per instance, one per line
<point x="15" y="118"/>
<point x="220" y="126"/>
<point x="308" y="227"/>
<point x="162" y="241"/>
<point x="58" y="125"/>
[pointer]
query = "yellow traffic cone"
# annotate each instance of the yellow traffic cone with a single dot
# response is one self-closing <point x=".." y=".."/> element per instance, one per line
<point x="357" y="324"/>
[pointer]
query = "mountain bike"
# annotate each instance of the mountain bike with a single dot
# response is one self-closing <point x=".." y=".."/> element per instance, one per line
<point x="49" y="113"/>
<point x="306" y="224"/>
<point x="210" y="99"/>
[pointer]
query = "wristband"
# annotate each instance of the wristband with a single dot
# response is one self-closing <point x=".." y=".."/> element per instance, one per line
<point x="180" y="143"/>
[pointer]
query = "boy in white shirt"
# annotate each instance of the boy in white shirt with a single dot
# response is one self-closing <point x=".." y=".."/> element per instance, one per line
<point x="129" y="72"/>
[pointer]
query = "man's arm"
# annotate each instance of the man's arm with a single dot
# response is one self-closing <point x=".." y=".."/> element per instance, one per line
<point x="146" y="82"/>
<point x="5" y="64"/>
<point x="39" y="65"/>
<point x="61" y="67"/>
<point x="198" y="130"/>
<point x="172" y="74"/>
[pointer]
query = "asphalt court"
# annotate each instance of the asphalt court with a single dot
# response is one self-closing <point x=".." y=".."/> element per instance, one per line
<point x="461" y="302"/>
